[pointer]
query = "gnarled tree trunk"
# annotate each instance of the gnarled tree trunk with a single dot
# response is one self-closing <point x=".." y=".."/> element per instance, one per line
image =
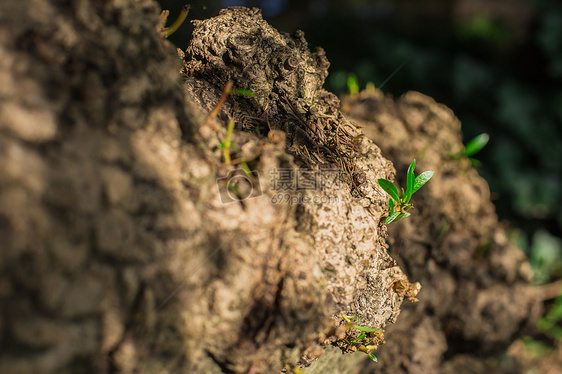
<point x="125" y="247"/>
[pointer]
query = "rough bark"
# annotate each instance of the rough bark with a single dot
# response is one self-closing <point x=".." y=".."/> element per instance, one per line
<point x="120" y="253"/>
<point x="476" y="296"/>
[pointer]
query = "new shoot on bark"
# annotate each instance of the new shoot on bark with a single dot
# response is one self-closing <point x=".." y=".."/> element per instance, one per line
<point x="367" y="339"/>
<point x="225" y="146"/>
<point x="167" y="31"/>
<point x="472" y="147"/>
<point x="399" y="204"/>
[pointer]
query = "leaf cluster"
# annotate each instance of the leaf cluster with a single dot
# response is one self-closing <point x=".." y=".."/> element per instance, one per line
<point x="365" y="340"/>
<point x="399" y="204"/>
<point x="472" y="147"/>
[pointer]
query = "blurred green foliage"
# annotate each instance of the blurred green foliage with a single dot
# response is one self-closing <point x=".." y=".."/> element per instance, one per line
<point x="545" y="255"/>
<point x="485" y="28"/>
<point x="500" y="77"/>
<point x="550" y="323"/>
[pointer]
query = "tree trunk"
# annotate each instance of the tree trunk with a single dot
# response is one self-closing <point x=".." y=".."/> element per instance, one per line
<point x="130" y="243"/>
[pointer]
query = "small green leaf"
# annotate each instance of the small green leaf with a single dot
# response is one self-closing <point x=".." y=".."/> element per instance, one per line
<point x="359" y="338"/>
<point x="352" y="84"/>
<point x="391" y="218"/>
<point x="422" y="179"/>
<point x="349" y="318"/>
<point x="475" y="163"/>
<point x="373" y="357"/>
<point x="246" y="168"/>
<point x="391" y="205"/>
<point x="224" y="145"/>
<point x="233" y="188"/>
<point x="241" y="91"/>
<point x="365" y="329"/>
<point x="390" y="189"/>
<point x="410" y="179"/>
<point x="476" y="144"/>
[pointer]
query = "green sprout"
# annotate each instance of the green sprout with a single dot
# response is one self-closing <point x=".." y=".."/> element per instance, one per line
<point x="549" y="324"/>
<point x="225" y="146"/>
<point x="472" y="147"/>
<point x="367" y="338"/>
<point x="242" y="91"/>
<point x="167" y="31"/>
<point x="297" y="371"/>
<point x="400" y="204"/>
<point x="352" y="84"/>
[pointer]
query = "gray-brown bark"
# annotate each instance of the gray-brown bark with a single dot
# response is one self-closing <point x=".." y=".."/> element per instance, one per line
<point x="118" y="253"/>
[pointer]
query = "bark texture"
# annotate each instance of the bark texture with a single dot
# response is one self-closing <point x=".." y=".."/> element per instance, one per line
<point x="476" y="296"/>
<point x="123" y="251"/>
<point x="119" y="253"/>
